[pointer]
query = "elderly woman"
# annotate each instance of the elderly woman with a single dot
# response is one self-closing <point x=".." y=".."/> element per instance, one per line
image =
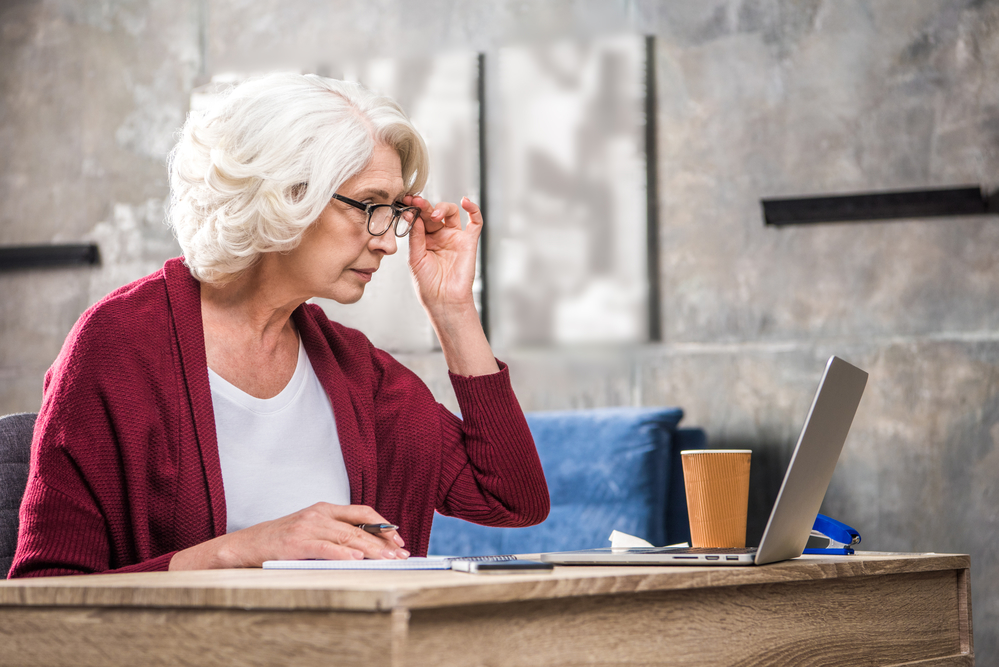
<point x="206" y="416"/>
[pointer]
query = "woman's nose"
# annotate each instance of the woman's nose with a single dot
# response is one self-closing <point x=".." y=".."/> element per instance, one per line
<point x="385" y="243"/>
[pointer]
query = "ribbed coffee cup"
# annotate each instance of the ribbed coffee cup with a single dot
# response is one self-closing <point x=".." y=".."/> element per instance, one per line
<point x="717" y="483"/>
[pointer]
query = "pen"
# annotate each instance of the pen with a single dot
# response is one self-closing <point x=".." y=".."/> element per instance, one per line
<point x="375" y="528"/>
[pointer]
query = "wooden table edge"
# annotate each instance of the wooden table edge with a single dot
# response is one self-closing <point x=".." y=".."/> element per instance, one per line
<point x="375" y="592"/>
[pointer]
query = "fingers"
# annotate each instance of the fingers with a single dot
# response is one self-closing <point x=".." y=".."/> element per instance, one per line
<point x="474" y="214"/>
<point x="436" y="221"/>
<point x="449" y="213"/>
<point x="444" y="213"/>
<point x="433" y="218"/>
<point x="331" y="532"/>
<point x="353" y="516"/>
<point x="417" y="233"/>
<point x="349" y="538"/>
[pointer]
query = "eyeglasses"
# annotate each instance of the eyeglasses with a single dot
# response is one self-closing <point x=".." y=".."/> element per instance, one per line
<point x="381" y="217"/>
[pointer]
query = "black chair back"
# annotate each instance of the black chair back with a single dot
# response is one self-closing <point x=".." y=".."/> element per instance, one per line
<point x="15" y="452"/>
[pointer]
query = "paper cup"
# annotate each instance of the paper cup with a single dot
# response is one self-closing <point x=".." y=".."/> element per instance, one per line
<point x="717" y="483"/>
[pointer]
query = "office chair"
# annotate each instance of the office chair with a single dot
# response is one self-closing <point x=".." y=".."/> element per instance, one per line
<point x="15" y="452"/>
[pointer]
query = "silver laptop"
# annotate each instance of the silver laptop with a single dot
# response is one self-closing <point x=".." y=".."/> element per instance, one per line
<point x="801" y="493"/>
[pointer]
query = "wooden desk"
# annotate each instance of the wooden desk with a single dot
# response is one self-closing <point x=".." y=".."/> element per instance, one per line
<point x="870" y="609"/>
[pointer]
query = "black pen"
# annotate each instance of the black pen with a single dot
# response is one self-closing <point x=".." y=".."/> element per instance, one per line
<point x="375" y="528"/>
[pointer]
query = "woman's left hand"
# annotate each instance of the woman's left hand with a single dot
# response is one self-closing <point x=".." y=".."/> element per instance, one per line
<point x="443" y="262"/>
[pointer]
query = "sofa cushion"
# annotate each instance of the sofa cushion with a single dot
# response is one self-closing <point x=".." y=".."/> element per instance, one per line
<point x="677" y="523"/>
<point x="607" y="469"/>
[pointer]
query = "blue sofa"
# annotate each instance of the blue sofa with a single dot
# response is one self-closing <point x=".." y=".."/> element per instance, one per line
<point x="607" y="469"/>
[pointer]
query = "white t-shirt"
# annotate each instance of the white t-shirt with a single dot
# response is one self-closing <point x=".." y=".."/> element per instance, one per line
<point x="280" y="454"/>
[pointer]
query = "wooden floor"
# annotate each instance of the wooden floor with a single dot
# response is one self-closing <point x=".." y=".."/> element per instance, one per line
<point x="867" y="609"/>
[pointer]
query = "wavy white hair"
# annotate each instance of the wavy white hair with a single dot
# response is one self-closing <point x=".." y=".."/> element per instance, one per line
<point x="253" y="171"/>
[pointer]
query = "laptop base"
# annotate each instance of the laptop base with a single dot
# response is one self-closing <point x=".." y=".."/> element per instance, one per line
<point x="653" y="556"/>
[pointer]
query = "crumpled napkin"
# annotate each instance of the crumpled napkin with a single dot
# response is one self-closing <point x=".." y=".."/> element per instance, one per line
<point x="621" y="540"/>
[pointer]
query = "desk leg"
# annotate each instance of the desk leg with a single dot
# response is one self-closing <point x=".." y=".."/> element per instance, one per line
<point x="400" y="637"/>
<point x="964" y="613"/>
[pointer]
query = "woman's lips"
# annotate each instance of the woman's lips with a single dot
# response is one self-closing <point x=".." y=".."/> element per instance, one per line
<point x="364" y="274"/>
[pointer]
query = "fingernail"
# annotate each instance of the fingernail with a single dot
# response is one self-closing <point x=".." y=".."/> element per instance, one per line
<point x="386" y="553"/>
<point x="358" y="555"/>
<point x="403" y="553"/>
<point x="398" y="540"/>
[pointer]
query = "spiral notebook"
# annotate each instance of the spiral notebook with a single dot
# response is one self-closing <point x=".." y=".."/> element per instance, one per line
<point x="415" y="563"/>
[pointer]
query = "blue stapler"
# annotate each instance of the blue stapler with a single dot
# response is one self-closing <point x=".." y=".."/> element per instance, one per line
<point x="836" y="537"/>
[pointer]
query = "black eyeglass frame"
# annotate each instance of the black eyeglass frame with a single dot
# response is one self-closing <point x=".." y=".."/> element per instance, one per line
<point x="397" y="213"/>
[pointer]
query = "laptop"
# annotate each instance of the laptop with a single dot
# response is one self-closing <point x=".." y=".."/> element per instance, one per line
<point x="801" y="493"/>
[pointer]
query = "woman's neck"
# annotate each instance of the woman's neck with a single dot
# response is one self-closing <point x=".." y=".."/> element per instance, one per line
<point x="250" y="337"/>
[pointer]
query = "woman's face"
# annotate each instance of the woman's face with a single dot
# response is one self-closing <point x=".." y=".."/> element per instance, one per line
<point x="337" y="256"/>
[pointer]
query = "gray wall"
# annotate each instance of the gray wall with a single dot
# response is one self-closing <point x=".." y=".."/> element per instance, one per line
<point x="756" y="98"/>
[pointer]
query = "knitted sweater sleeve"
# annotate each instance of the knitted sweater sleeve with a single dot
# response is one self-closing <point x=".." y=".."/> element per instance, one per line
<point x="490" y="473"/>
<point x="62" y="534"/>
<point x="64" y="529"/>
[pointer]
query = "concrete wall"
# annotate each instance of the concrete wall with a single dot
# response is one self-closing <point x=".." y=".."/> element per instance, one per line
<point x="756" y="98"/>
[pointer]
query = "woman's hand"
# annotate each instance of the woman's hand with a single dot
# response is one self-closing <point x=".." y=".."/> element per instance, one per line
<point x="443" y="265"/>
<point x="323" y="531"/>
<point x="443" y="261"/>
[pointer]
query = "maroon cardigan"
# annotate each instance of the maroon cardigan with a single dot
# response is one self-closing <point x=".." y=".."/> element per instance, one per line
<point x="125" y="467"/>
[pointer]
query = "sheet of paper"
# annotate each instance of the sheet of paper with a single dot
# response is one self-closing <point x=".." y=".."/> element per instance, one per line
<point x="415" y="563"/>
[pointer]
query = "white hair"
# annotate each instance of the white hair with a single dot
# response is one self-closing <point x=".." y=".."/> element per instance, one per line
<point x="256" y="168"/>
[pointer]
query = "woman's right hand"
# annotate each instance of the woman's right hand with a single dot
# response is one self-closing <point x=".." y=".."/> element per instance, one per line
<point x="323" y="531"/>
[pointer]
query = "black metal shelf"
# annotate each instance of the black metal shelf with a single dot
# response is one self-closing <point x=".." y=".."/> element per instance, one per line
<point x="14" y="258"/>
<point x="955" y="201"/>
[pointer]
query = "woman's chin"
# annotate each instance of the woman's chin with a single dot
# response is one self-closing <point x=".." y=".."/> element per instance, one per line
<point x="345" y="298"/>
